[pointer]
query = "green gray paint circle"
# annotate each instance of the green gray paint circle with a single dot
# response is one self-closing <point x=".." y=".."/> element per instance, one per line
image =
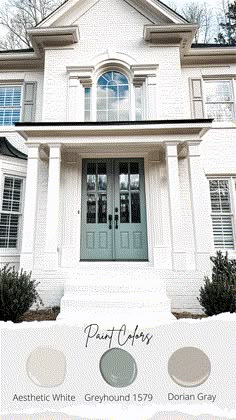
<point x="189" y="367"/>
<point x="118" y="368"/>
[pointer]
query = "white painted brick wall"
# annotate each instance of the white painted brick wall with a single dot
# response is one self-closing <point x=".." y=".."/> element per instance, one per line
<point x="119" y="29"/>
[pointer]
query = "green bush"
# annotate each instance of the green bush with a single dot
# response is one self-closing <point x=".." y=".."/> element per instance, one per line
<point x="219" y="294"/>
<point x="17" y="293"/>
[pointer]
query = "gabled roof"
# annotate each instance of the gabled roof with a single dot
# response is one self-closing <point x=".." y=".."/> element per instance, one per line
<point x="148" y="8"/>
<point x="7" y="149"/>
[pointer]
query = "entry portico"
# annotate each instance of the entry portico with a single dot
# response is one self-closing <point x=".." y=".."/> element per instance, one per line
<point x="167" y="153"/>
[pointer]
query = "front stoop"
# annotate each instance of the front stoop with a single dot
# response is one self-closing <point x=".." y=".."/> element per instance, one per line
<point x="115" y="293"/>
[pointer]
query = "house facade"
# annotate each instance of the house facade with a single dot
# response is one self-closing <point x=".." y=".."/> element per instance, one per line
<point x="130" y="179"/>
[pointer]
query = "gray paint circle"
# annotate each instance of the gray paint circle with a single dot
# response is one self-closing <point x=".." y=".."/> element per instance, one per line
<point x="189" y="367"/>
<point x="46" y="367"/>
<point x="118" y="368"/>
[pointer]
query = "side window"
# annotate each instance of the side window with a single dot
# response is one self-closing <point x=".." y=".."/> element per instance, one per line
<point x="11" y="211"/>
<point x="219" y="100"/>
<point x="222" y="213"/>
<point x="10" y="104"/>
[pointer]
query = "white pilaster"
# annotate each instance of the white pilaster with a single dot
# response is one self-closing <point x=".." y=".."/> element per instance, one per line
<point x="76" y="100"/>
<point x="201" y="210"/>
<point x="31" y="196"/>
<point x="51" y="246"/>
<point x="151" y="98"/>
<point x="178" y="253"/>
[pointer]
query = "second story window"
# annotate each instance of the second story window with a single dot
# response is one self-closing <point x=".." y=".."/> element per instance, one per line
<point x="10" y="104"/>
<point x="219" y="100"/>
<point x="113" y="103"/>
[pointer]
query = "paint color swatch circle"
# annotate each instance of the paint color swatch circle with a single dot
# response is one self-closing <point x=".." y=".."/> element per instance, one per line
<point x="46" y="367"/>
<point x="189" y="367"/>
<point x="118" y="368"/>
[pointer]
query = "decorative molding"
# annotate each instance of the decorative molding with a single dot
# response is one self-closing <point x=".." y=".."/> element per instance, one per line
<point x="82" y="73"/>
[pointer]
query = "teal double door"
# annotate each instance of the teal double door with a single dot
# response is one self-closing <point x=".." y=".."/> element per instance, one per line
<point x="113" y="210"/>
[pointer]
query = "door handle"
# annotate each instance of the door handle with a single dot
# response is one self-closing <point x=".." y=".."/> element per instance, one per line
<point x="110" y="221"/>
<point x="116" y="220"/>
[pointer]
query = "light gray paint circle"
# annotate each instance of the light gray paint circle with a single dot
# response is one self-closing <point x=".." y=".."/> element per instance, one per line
<point x="189" y="367"/>
<point x="118" y="368"/>
<point x="46" y="367"/>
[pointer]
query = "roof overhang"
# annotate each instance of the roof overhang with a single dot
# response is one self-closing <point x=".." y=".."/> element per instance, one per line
<point x="181" y="35"/>
<point x="159" y="128"/>
<point x="53" y="37"/>
<point x="210" y="55"/>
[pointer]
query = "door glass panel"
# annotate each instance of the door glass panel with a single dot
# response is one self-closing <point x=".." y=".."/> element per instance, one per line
<point x="124" y="176"/>
<point x="91" y="182"/>
<point x="97" y="192"/>
<point x="102" y="177"/>
<point x="91" y="208"/>
<point x="134" y="182"/>
<point x="135" y="207"/>
<point x="124" y="208"/>
<point x="102" y="208"/>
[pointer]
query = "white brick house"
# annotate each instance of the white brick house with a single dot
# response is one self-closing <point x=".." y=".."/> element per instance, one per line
<point x="130" y="186"/>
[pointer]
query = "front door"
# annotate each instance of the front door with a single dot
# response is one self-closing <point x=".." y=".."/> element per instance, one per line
<point x="113" y="210"/>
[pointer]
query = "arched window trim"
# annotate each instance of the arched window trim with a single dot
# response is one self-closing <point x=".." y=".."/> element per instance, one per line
<point x="113" y="66"/>
<point x="113" y="96"/>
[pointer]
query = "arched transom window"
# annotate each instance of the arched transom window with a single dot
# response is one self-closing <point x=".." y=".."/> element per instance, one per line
<point x="113" y="97"/>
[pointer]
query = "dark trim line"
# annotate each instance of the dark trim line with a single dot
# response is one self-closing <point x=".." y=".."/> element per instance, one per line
<point x="173" y="11"/>
<point x="212" y="46"/>
<point x="108" y="123"/>
<point x="58" y="7"/>
<point x="23" y="50"/>
<point x="7" y="149"/>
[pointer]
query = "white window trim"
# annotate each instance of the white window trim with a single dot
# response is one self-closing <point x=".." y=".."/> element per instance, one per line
<point x="10" y="174"/>
<point x="87" y="76"/>
<point x="205" y="80"/>
<point x="127" y="74"/>
<point x="17" y="84"/>
<point x="232" y="191"/>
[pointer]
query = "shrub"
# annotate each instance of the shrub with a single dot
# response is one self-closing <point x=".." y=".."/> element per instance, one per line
<point x="17" y="293"/>
<point x="219" y="294"/>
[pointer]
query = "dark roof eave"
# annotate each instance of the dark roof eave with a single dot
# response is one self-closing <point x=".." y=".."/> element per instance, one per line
<point x="212" y="46"/>
<point x="107" y="123"/>
<point x="22" y="50"/>
<point x="7" y="149"/>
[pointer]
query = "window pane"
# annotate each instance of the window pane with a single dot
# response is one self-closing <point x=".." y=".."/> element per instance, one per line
<point x="87" y="104"/>
<point x="220" y="197"/>
<point x="220" y="112"/>
<point x="223" y="232"/>
<point x="10" y="104"/>
<point x="218" y="91"/>
<point x="112" y="97"/>
<point x="221" y="221"/>
<point x="8" y="230"/>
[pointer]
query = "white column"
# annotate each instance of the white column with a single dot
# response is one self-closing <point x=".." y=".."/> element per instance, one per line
<point x="51" y="245"/>
<point x="201" y="208"/>
<point x="178" y="251"/>
<point x="31" y="196"/>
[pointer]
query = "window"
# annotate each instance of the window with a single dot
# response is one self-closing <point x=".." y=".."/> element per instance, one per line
<point x="10" y="212"/>
<point x="10" y="104"/>
<point x="222" y="193"/>
<point x="219" y="100"/>
<point x="113" y="97"/>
